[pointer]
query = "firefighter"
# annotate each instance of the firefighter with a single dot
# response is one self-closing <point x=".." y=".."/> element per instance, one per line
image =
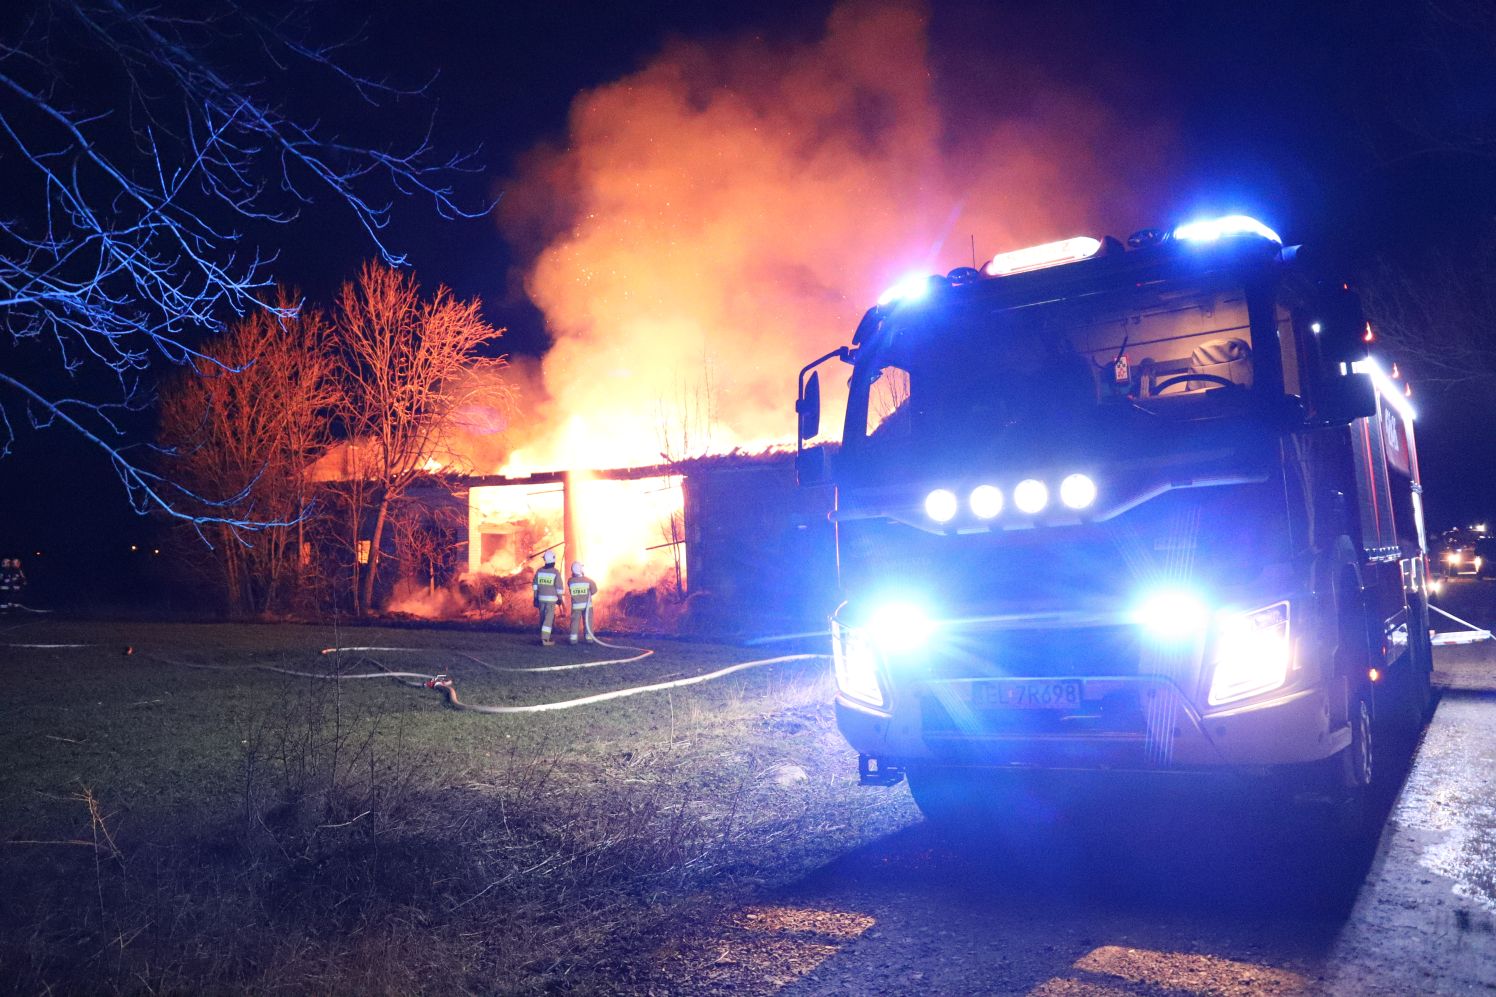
<point x="12" y="583"/>
<point x="8" y="591"/>
<point x="583" y="594"/>
<point x="546" y="588"/>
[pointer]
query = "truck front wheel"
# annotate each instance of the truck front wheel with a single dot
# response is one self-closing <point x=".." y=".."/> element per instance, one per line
<point x="1352" y="776"/>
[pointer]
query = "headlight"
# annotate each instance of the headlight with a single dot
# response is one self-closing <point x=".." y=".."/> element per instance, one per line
<point x="1454" y="557"/>
<point x="1077" y="491"/>
<point x="900" y="627"/>
<point x="1252" y="653"/>
<point x="855" y="665"/>
<point x="1030" y="495"/>
<point x="1172" y="617"/>
<point x="941" y="505"/>
<point x="986" y="501"/>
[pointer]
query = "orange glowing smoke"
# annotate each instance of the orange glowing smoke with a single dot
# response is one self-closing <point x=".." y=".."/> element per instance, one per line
<point x="730" y="210"/>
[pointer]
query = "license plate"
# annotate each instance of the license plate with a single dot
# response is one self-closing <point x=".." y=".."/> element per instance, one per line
<point x="1028" y="694"/>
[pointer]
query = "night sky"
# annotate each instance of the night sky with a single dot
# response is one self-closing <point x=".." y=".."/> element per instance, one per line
<point x="1370" y="127"/>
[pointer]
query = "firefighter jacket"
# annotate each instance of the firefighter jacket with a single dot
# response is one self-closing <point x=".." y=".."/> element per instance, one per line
<point x="547" y="584"/>
<point x="582" y="590"/>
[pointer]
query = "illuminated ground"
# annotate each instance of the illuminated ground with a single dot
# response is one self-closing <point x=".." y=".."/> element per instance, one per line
<point x="705" y="841"/>
<point x="1138" y="893"/>
<point x="254" y="831"/>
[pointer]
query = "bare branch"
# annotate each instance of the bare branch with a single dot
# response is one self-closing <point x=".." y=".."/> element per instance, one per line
<point x="129" y="245"/>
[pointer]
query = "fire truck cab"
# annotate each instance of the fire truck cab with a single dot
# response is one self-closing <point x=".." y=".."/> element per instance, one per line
<point x="1104" y="507"/>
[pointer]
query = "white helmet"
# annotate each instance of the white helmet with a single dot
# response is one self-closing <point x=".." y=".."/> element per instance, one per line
<point x="577" y="568"/>
<point x="549" y="557"/>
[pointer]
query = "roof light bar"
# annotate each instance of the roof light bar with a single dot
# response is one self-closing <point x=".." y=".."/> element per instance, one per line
<point x="1212" y="229"/>
<point x="1037" y="257"/>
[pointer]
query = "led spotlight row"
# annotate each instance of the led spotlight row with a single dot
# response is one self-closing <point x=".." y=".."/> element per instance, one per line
<point x="1030" y="496"/>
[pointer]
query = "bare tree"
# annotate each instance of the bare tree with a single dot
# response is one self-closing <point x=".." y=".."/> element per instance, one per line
<point x="405" y="368"/>
<point x="430" y="536"/>
<point x="1442" y="48"/>
<point x="1438" y="314"/>
<point x="135" y="165"/>
<point x="249" y="423"/>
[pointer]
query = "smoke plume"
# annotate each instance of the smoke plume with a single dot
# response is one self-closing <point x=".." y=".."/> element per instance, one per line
<point x="728" y="212"/>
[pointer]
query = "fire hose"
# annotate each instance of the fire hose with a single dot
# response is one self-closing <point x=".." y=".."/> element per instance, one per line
<point x="444" y="684"/>
<point x="643" y="653"/>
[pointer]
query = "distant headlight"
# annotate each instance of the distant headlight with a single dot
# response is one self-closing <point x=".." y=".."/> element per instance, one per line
<point x="1077" y="491"/>
<point x="900" y="627"/>
<point x="855" y="665"/>
<point x="941" y="505"/>
<point x="986" y="501"/>
<point x="1172" y="616"/>
<point x="1030" y="495"/>
<point x="1252" y="653"/>
<point x="1454" y="557"/>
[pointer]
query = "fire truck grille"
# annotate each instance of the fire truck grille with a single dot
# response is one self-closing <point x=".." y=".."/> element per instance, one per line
<point x="1040" y="653"/>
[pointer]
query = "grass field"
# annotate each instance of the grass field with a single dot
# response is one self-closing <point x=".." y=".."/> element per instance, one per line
<point x="177" y="828"/>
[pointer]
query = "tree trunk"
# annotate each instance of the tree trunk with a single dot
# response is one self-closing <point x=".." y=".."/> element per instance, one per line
<point x="366" y="603"/>
<point x="232" y="572"/>
<point x="355" y="517"/>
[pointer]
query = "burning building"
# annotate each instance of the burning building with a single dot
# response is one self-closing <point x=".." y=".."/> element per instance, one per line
<point x="711" y="219"/>
<point x="726" y="543"/>
<point x="705" y="544"/>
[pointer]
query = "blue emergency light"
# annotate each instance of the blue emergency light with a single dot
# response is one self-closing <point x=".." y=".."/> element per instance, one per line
<point x="1210" y="230"/>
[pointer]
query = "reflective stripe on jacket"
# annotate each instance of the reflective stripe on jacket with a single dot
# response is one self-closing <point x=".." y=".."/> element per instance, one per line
<point x="547" y="585"/>
<point x="582" y="590"/>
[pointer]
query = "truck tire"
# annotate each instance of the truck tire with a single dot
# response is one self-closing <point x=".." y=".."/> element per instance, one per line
<point x="1353" y="776"/>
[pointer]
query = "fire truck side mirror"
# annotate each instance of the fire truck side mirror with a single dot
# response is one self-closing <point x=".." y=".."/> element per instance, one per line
<point x="812" y="466"/>
<point x="1346" y="398"/>
<point x="808" y="407"/>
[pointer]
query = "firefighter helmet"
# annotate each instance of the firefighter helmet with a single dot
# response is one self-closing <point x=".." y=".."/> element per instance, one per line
<point x="549" y="557"/>
<point x="577" y="568"/>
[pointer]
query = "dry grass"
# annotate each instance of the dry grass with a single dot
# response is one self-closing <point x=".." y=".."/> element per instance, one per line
<point x="353" y="857"/>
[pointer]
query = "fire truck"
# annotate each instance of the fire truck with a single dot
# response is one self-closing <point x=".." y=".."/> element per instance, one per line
<point x="1112" y="508"/>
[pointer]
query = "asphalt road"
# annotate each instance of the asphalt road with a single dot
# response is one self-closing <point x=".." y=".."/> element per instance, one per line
<point x="1147" y="890"/>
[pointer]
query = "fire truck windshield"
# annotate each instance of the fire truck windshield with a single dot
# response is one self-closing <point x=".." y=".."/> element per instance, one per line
<point x="972" y="374"/>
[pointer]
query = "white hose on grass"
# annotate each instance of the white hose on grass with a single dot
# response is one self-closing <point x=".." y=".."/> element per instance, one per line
<point x="425" y="681"/>
<point x="603" y="697"/>
<point x="49" y="647"/>
<point x="644" y="652"/>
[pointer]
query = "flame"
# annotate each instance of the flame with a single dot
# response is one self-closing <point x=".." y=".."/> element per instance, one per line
<point x="630" y="531"/>
<point x="729" y="211"/>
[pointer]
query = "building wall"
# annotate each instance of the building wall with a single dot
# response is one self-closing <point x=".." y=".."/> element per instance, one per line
<point x="761" y="549"/>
